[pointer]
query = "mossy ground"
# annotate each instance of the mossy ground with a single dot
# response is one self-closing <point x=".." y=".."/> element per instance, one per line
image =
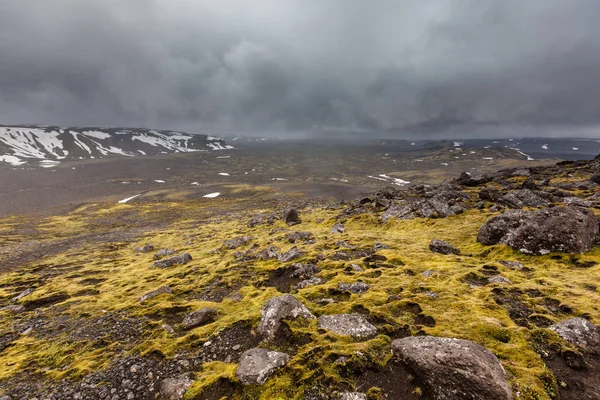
<point x="118" y="276"/>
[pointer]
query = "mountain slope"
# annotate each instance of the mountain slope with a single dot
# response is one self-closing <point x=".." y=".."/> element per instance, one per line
<point x="18" y="144"/>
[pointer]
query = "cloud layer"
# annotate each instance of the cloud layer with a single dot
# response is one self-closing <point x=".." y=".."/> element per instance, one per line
<point x="392" y="66"/>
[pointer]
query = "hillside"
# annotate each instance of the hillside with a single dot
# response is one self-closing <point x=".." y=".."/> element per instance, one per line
<point x="49" y="145"/>
<point x="175" y="299"/>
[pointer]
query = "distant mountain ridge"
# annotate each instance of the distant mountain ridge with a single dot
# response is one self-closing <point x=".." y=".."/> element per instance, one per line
<point x="51" y="144"/>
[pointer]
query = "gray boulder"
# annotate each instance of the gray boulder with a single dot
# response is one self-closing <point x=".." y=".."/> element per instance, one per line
<point x="155" y="293"/>
<point x="201" y="317"/>
<point x="454" y="369"/>
<point x="169" y="262"/>
<point x="277" y="309"/>
<point x="578" y="331"/>
<point x="560" y="229"/>
<point x="175" y="388"/>
<point x="439" y="246"/>
<point x="354" y="325"/>
<point x="257" y="365"/>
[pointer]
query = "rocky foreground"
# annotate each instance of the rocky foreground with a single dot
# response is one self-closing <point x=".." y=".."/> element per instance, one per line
<point x="481" y="288"/>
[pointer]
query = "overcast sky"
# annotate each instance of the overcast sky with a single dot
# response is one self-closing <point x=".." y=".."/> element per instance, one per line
<point x="392" y="66"/>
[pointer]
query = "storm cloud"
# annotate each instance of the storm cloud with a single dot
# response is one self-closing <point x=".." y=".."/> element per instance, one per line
<point x="391" y="66"/>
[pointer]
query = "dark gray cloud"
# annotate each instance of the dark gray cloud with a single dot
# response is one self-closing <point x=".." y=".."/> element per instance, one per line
<point x="300" y="65"/>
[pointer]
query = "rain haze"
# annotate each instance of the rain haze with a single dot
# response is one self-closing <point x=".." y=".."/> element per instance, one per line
<point x="390" y="68"/>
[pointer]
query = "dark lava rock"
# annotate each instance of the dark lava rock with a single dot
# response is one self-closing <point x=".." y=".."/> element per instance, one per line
<point x="277" y="309"/>
<point x="291" y="217"/>
<point x="201" y="317"/>
<point x="354" y="325"/>
<point x="268" y="253"/>
<point x="595" y="178"/>
<point x="578" y="331"/>
<point x="439" y="246"/>
<point x="257" y="365"/>
<point x="453" y="369"/>
<point x="560" y="229"/>
<point x="169" y="262"/>
<point x="154" y="293"/>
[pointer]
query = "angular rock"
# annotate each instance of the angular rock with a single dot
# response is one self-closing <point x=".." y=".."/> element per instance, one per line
<point x="147" y="248"/>
<point x="237" y="241"/>
<point x="163" y="253"/>
<point x="290" y="255"/>
<point x="277" y="309"/>
<point x="432" y="202"/>
<point x="338" y="228"/>
<point x="169" y="262"/>
<point x="357" y="287"/>
<point x="578" y="331"/>
<point x="453" y="369"/>
<point x="257" y="365"/>
<point x="154" y="293"/>
<point x="439" y="246"/>
<point x="354" y="325"/>
<point x="291" y="217"/>
<point x="560" y="229"/>
<point x="175" y="388"/>
<point x="523" y="198"/>
<point x="200" y="317"/>
<point x="380" y="246"/>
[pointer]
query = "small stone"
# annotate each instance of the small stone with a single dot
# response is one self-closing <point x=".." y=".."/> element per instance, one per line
<point x="427" y="273"/>
<point x="315" y="280"/>
<point x="147" y="248"/>
<point x="380" y="246"/>
<point x="338" y="228"/>
<point x="357" y="287"/>
<point x="175" y="388"/>
<point x="257" y="365"/>
<point x="354" y="325"/>
<point x="356" y="268"/>
<point x="23" y="294"/>
<point x="290" y="255"/>
<point x="163" y="253"/>
<point x="168" y="329"/>
<point x="177" y="260"/>
<point x="14" y="308"/>
<point x="500" y="280"/>
<point x="236" y="347"/>
<point x="351" y="396"/>
<point x="200" y="317"/>
<point x="511" y="264"/>
<point x="155" y="293"/>
<point x="439" y="246"/>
